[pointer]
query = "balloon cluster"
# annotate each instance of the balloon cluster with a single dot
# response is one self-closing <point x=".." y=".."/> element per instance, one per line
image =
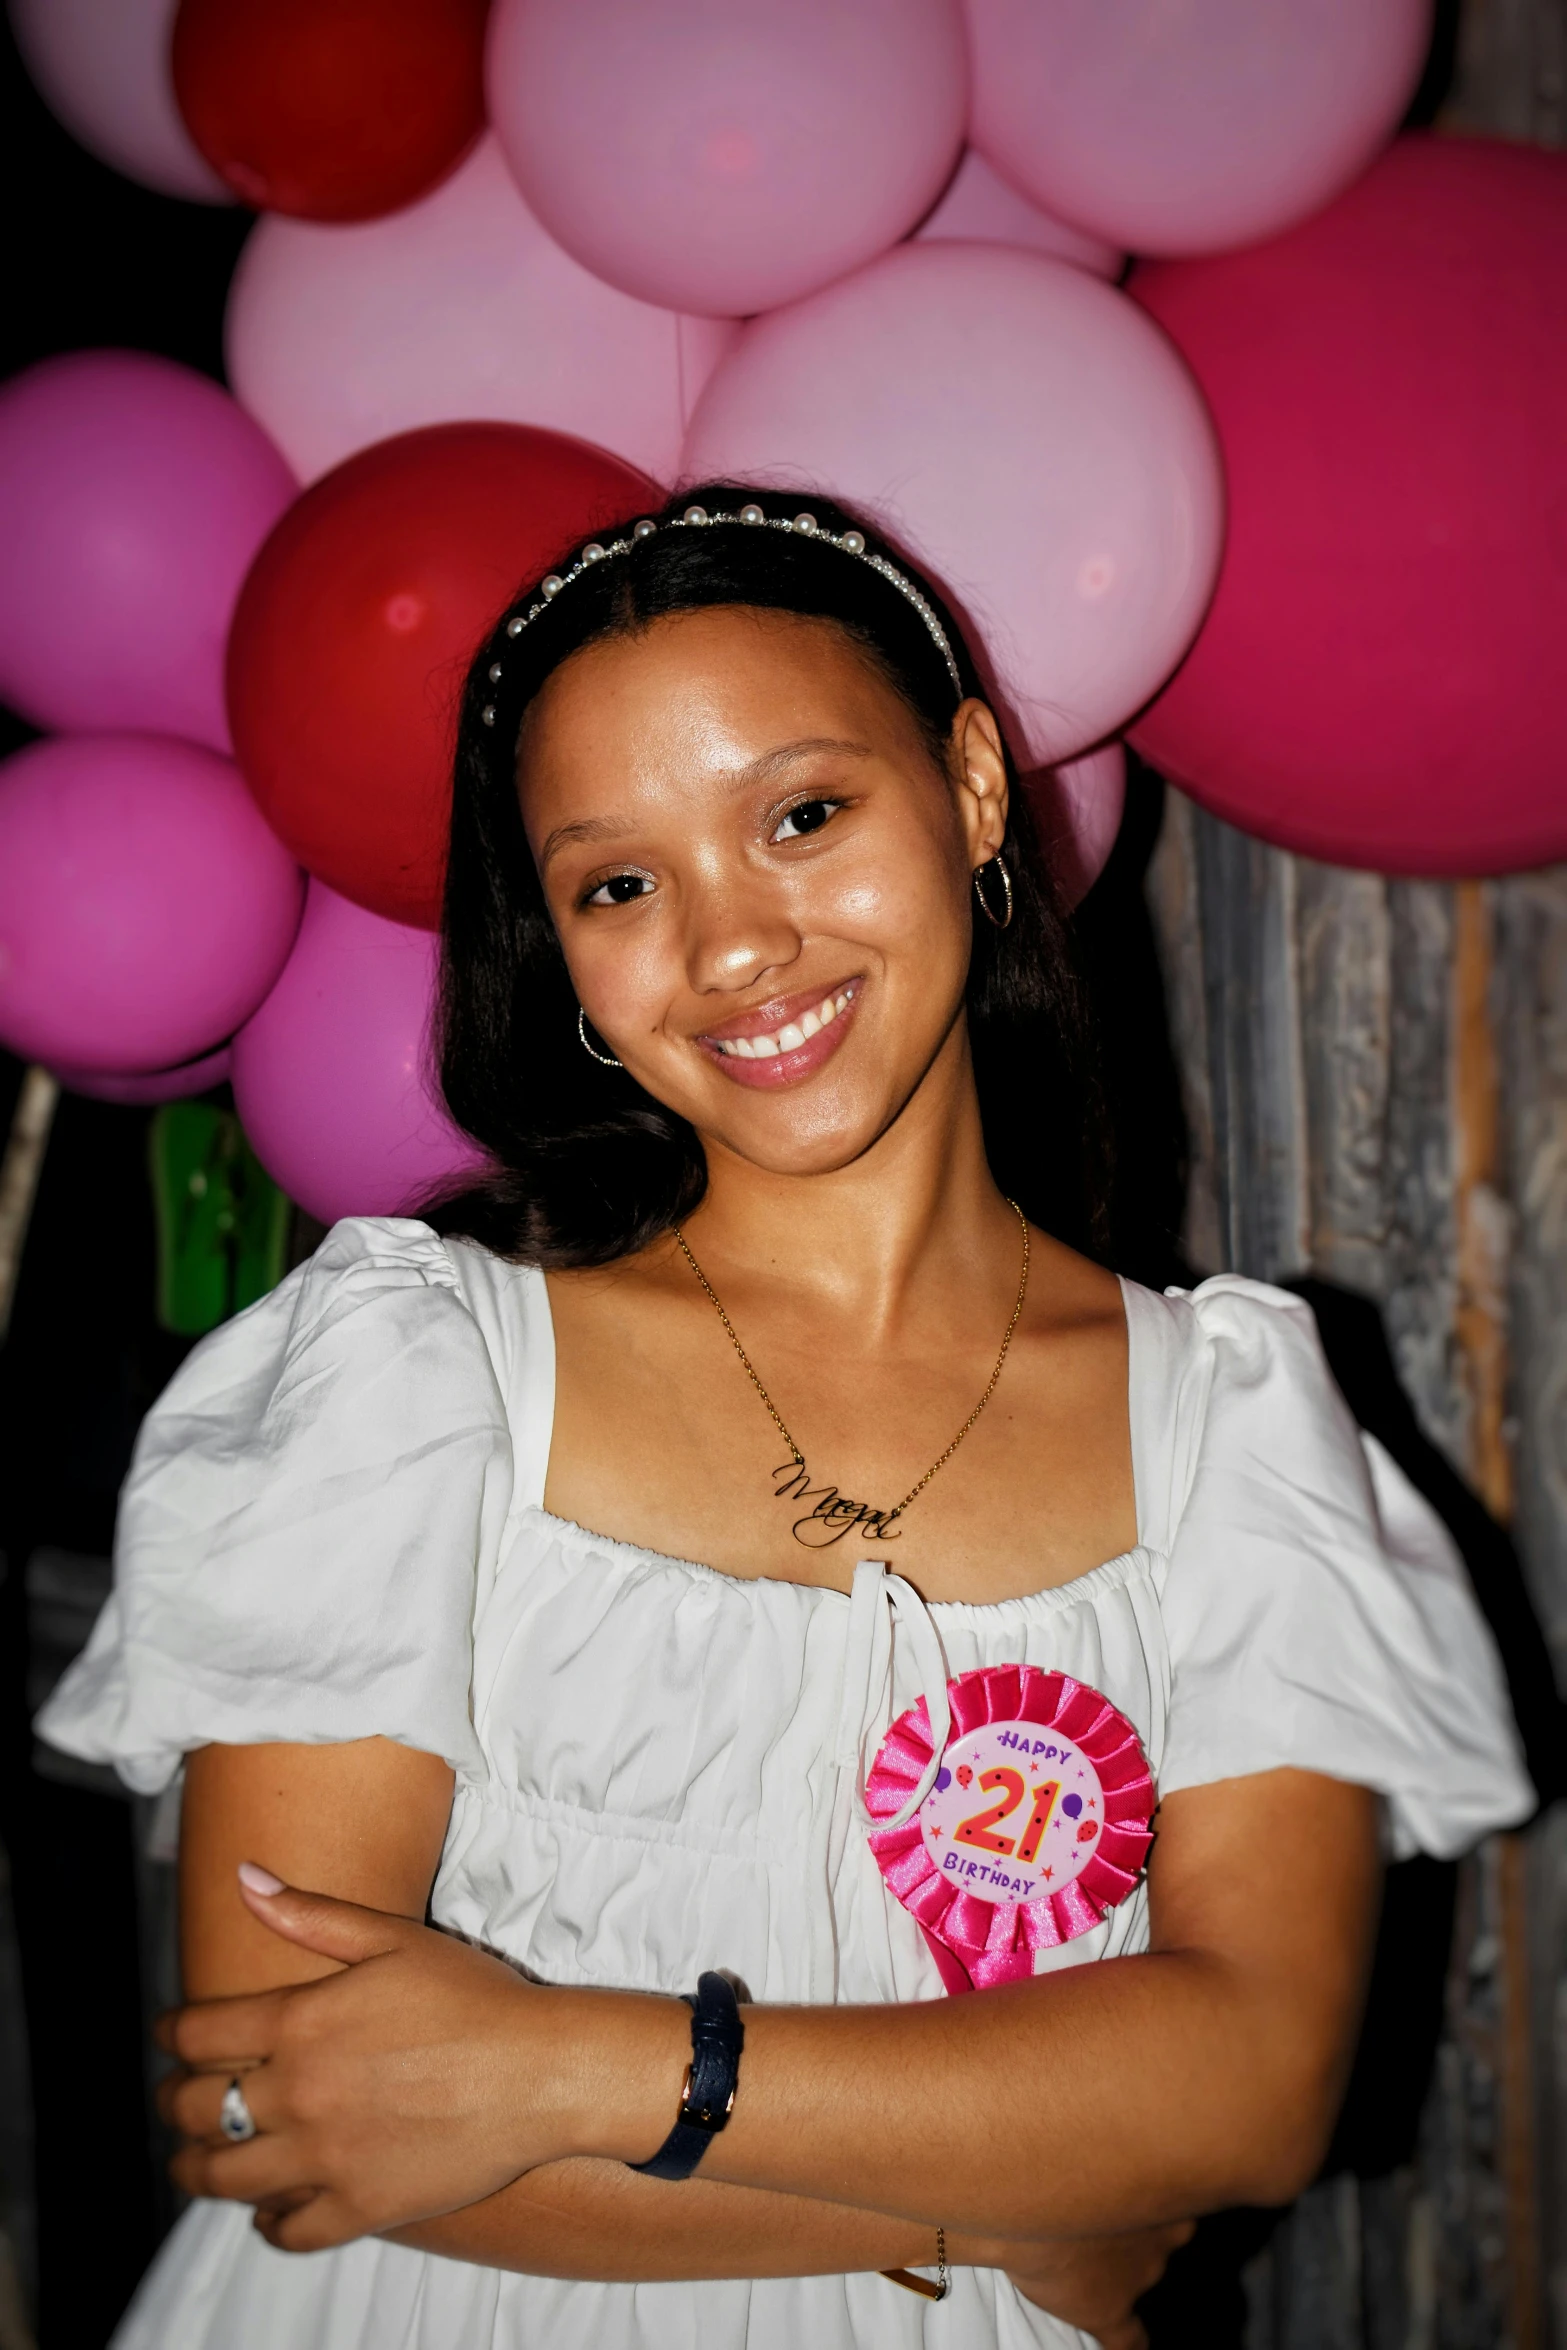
<point x="519" y="264"/>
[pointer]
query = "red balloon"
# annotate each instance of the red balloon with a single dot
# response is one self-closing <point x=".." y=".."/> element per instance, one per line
<point x="1378" y="682"/>
<point x="356" y="625"/>
<point x="331" y="109"/>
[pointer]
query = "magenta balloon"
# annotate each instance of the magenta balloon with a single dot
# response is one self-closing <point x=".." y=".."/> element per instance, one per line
<point x="331" y="1076"/>
<point x="1187" y="129"/>
<point x="1021" y="430"/>
<point x="728" y="155"/>
<point x="159" y="1085"/>
<point x="458" y="307"/>
<point x="145" y="908"/>
<point x="1379" y="682"/>
<point x="102" y="66"/>
<point x="133" y="496"/>
<point x="980" y="208"/>
<point x="1077" y="811"/>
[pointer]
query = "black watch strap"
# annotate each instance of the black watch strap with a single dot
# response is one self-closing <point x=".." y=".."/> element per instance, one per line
<point x="717" y="2037"/>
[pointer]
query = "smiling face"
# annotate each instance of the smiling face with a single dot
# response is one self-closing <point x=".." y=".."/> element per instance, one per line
<point x="760" y="874"/>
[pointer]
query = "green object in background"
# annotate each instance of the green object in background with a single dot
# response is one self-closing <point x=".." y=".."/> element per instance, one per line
<point x="222" y="1221"/>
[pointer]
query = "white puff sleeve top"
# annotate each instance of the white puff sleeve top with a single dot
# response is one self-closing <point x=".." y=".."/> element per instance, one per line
<point x="1317" y="1611"/>
<point x="334" y="1526"/>
<point x="306" y="1524"/>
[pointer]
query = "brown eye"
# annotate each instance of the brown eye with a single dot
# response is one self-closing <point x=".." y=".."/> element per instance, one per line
<point x="619" y="890"/>
<point x="806" y="817"/>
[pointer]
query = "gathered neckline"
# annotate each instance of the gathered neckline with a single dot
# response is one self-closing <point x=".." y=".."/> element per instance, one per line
<point x="1112" y="1571"/>
<point x="1110" y="1574"/>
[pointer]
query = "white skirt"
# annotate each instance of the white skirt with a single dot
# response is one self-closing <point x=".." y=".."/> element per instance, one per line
<point x="217" y="2285"/>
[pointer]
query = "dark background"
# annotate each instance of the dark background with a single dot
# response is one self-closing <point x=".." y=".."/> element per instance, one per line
<point x="92" y="259"/>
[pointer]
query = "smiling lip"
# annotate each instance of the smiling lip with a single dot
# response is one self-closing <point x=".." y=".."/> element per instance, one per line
<point x="785" y="1040"/>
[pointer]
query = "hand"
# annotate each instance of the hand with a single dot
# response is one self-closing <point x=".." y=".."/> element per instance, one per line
<point x="1093" y="2282"/>
<point x="422" y="2078"/>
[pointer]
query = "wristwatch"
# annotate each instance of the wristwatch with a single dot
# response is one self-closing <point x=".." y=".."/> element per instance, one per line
<point x="707" y="2093"/>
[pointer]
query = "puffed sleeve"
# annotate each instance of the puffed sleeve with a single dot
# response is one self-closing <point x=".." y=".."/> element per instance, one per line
<point x="1317" y="1612"/>
<point x="313" y="1506"/>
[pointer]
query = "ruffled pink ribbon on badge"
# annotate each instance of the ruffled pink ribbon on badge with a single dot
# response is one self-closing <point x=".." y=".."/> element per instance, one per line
<point x="975" y="1942"/>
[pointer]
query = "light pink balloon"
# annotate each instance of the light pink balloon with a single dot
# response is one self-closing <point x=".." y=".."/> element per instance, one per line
<point x="1185" y="129"/>
<point x="728" y="155"/>
<point x="459" y="307"/>
<point x="133" y="496"/>
<point x="102" y="66"/>
<point x="1020" y="429"/>
<point x="158" y="1085"/>
<point x="331" y="1077"/>
<point x="145" y="908"/>
<point x="1078" y="810"/>
<point x="980" y="208"/>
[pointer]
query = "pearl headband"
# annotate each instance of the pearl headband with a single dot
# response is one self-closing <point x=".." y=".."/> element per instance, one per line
<point x="852" y="542"/>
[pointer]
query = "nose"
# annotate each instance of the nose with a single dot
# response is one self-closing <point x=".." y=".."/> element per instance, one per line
<point x="736" y="934"/>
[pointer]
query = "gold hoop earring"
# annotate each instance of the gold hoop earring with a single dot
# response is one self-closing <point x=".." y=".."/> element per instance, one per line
<point x="605" y="1060"/>
<point x="997" y="864"/>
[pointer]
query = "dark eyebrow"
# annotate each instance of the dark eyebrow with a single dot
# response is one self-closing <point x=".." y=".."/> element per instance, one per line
<point x="761" y="770"/>
<point x="810" y="746"/>
<point x="590" y="828"/>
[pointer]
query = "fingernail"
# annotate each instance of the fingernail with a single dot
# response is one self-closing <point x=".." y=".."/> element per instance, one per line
<point x="257" y="1880"/>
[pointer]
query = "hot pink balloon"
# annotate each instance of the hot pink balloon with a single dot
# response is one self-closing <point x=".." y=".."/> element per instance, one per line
<point x="331" y="1077"/>
<point x="1021" y="430"/>
<point x="459" y="307"/>
<point x="145" y="908"/>
<point x="102" y="66"/>
<point x="1379" y="681"/>
<point x="158" y="1085"/>
<point x="728" y="155"/>
<point x="133" y="495"/>
<point x="980" y="208"/>
<point x="1186" y="129"/>
<point x="1077" y="813"/>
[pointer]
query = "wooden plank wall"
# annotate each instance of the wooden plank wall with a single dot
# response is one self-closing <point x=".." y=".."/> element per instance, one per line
<point x="1374" y="1075"/>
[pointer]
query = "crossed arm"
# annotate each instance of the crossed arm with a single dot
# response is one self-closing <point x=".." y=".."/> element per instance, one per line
<point x="423" y="2089"/>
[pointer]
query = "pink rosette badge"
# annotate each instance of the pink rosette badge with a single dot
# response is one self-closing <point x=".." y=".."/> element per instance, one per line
<point x="1037" y="1822"/>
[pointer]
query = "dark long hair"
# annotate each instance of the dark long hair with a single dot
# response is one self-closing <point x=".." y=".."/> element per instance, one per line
<point x="585" y="1165"/>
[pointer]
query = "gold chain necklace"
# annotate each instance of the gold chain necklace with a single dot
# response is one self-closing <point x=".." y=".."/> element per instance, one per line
<point x="832" y="1513"/>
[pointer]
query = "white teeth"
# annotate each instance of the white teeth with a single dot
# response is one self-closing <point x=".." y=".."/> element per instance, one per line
<point x="792" y="1035"/>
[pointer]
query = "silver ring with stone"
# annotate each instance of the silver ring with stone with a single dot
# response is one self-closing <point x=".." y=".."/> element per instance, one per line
<point x="235" y="2118"/>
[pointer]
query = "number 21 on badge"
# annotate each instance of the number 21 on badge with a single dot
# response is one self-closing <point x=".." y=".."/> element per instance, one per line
<point x="977" y="1830"/>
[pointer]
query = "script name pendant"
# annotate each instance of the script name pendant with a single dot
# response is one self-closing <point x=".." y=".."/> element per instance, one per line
<point x="832" y="1514"/>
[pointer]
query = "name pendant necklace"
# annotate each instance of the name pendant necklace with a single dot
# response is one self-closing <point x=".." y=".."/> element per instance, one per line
<point x="832" y="1514"/>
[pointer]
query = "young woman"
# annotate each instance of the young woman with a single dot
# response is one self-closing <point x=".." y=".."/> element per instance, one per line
<point x="755" y="996"/>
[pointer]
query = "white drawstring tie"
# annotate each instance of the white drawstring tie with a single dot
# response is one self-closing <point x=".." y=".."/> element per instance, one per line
<point x="882" y="1608"/>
